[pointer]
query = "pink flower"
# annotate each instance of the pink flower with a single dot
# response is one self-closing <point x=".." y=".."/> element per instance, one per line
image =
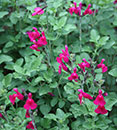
<point x="19" y="95"/>
<point x="75" y="9"/>
<point x="27" y="114"/>
<point x="101" y="110"/>
<point x="80" y="97"/>
<point x="38" y="39"/>
<point x="115" y="2"/>
<point x="88" y="10"/>
<point x="83" y="94"/>
<point x="84" y="64"/>
<point x="30" y="126"/>
<point x="101" y="65"/>
<point x="30" y="104"/>
<point x="99" y="99"/>
<point x="51" y="94"/>
<point x="34" y="47"/>
<point x="65" y="56"/>
<point x="12" y="98"/>
<point x="105" y="94"/>
<point x="74" y="75"/>
<point x="0" y="115"/>
<point x="38" y="11"/>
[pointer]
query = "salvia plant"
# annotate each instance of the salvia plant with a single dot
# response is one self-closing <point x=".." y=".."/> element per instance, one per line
<point x="58" y="65"/>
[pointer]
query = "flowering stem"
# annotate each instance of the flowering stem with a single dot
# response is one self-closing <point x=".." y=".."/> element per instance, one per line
<point x="31" y="115"/>
<point x="80" y="37"/>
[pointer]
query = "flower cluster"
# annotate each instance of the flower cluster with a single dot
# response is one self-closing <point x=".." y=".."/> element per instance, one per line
<point x="83" y="94"/>
<point x="65" y="57"/>
<point x="74" y="75"/>
<point x="77" y="10"/>
<point x="100" y="102"/>
<point x="84" y="64"/>
<point x="101" y="65"/>
<point x="29" y="105"/>
<point x="38" y="39"/>
<point x="13" y="97"/>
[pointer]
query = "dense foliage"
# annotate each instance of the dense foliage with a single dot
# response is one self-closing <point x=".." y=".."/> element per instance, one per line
<point x="55" y="85"/>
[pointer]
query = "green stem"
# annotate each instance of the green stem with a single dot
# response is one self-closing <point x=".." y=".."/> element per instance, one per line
<point x="32" y="118"/>
<point x="80" y="37"/>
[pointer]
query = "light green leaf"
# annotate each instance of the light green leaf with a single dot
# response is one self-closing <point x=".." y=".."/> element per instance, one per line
<point x="113" y="72"/>
<point x="94" y="36"/>
<point x="5" y="58"/>
<point x="45" y="109"/>
<point x="3" y="13"/>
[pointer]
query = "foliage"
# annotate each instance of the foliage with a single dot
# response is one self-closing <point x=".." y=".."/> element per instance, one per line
<point x="92" y="37"/>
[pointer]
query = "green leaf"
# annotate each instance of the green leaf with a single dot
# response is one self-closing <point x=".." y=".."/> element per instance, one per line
<point x="98" y="77"/>
<point x="3" y="13"/>
<point x="61" y="103"/>
<point x="109" y="44"/>
<point x="94" y="36"/>
<point x="44" y="90"/>
<point x="113" y="72"/>
<point x="62" y="22"/>
<point x="5" y="58"/>
<point x="103" y="40"/>
<point x="51" y="117"/>
<point x="60" y="114"/>
<point x="54" y="102"/>
<point x="7" y="80"/>
<point x="45" y="109"/>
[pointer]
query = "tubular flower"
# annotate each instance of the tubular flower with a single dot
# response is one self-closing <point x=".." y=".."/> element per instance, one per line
<point x="30" y="104"/>
<point x="27" y="114"/>
<point x="12" y="98"/>
<point x="38" y="11"/>
<point x="83" y="94"/>
<point x="63" y="56"/>
<point x="0" y="115"/>
<point x="101" y="110"/>
<point x="30" y="126"/>
<point x="84" y="64"/>
<point x="74" y="75"/>
<point x="38" y="39"/>
<point x="99" y="99"/>
<point x="75" y="9"/>
<point x="88" y="10"/>
<point x="101" y="65"/>
<point x="19" y="95"/>
<point x="51" y="94"/>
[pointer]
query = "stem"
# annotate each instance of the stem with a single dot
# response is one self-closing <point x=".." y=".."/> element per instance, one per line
<point x="31" y="115"/>
<point x="80" y="37"/>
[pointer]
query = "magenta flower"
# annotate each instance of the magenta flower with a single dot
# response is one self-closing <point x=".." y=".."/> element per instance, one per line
<point x="27" y="114"/>
<point x="74" y="75"/>
<point x="30" y="126"/>
<point x="12" y="98"/>
<point x="0" y="115"/>
<point x="65" y="57"/>
<point x="101" y="65"/>
<point x="83" y="94"/>
<point x="88" y="10"/>
<point x="38" y="11"/>
<point x="101" y="110"/>
<point x="80" y="97"/>
<point x="99" y="99"/>
<point x="84" y="64"/>
<point x="38" y="39"/>
<point x="19" y="95"/>
<point x="75" y="9"/>
<point x="105" y="94"/>
<point x="51" y="94"/>
<point x="30" y="104"/>
<point x="115" y="2"/>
